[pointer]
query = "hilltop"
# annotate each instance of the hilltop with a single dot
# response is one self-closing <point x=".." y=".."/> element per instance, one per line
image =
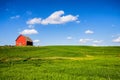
<point x="60" y="63"/>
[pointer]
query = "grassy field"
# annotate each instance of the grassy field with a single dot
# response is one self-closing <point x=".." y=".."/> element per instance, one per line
<point x="60" y="63"/>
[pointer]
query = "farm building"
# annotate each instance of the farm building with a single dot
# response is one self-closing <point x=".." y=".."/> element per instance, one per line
<point x="23" y="41"/>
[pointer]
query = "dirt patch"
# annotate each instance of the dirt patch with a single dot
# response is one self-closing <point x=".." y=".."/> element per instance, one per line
<point x="88" y="57"/>
<point x="65" y="58"/>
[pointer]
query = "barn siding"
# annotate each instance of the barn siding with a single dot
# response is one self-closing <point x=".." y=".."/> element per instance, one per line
<point x="21" y="41"/>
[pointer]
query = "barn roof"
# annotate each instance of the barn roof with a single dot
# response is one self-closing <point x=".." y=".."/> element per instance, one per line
<point x="26" y="37"/>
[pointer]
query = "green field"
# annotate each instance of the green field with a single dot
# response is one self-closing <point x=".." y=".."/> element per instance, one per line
<point x="60" y="63"/>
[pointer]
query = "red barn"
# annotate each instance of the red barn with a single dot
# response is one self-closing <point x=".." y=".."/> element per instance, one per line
<point x="23" y="41"/>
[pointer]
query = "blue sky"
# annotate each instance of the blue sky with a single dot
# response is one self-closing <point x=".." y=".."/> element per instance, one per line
<point x="61" y="22"/>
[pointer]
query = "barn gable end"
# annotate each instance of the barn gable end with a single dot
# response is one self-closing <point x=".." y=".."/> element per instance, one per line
<point x="23" y="41"/>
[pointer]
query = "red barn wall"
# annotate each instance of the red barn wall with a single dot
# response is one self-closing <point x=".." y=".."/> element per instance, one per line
<point x="21" y="41"/>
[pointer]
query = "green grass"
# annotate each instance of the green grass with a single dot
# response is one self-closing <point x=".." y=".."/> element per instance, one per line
<point x="60" y="63"/>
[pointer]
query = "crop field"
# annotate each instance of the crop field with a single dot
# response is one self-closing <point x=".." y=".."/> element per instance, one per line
<point x="60" y="63"/>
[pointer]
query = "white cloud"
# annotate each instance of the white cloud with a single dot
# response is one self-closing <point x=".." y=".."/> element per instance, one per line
<point x="31" y="26"/>
<point x="97" y="41"/>
<point x="77" y="21"/>
<point x="89" y="32"/>
<point x="36" y="41"/>
<point x="69" y="37"/>
<point x="85" y="40"/>
<point x="29" y="31"/>
<point x="116" y="35"/>
<point x="55" y="18"/>
<point x="15" y="17"/>
<point x="34" y="21"/>
<point x="94" y="45"/>
<point x="117" y="40"/>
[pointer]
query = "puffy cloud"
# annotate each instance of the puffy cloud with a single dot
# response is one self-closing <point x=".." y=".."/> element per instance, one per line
<point x="55" y="18"/>
<point x="29" y="31"/>
<point x="15" y="17"/>
<point x="69" y="37"/>
<point x="36" y="41"/>
<point x="89" y="32"/>
<point x="117" y="40"/>
<point x="97" y="41"/>
<point x="34" y="21"/>
<point x="92" y="41"/>
<point x="85" y="40"/>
